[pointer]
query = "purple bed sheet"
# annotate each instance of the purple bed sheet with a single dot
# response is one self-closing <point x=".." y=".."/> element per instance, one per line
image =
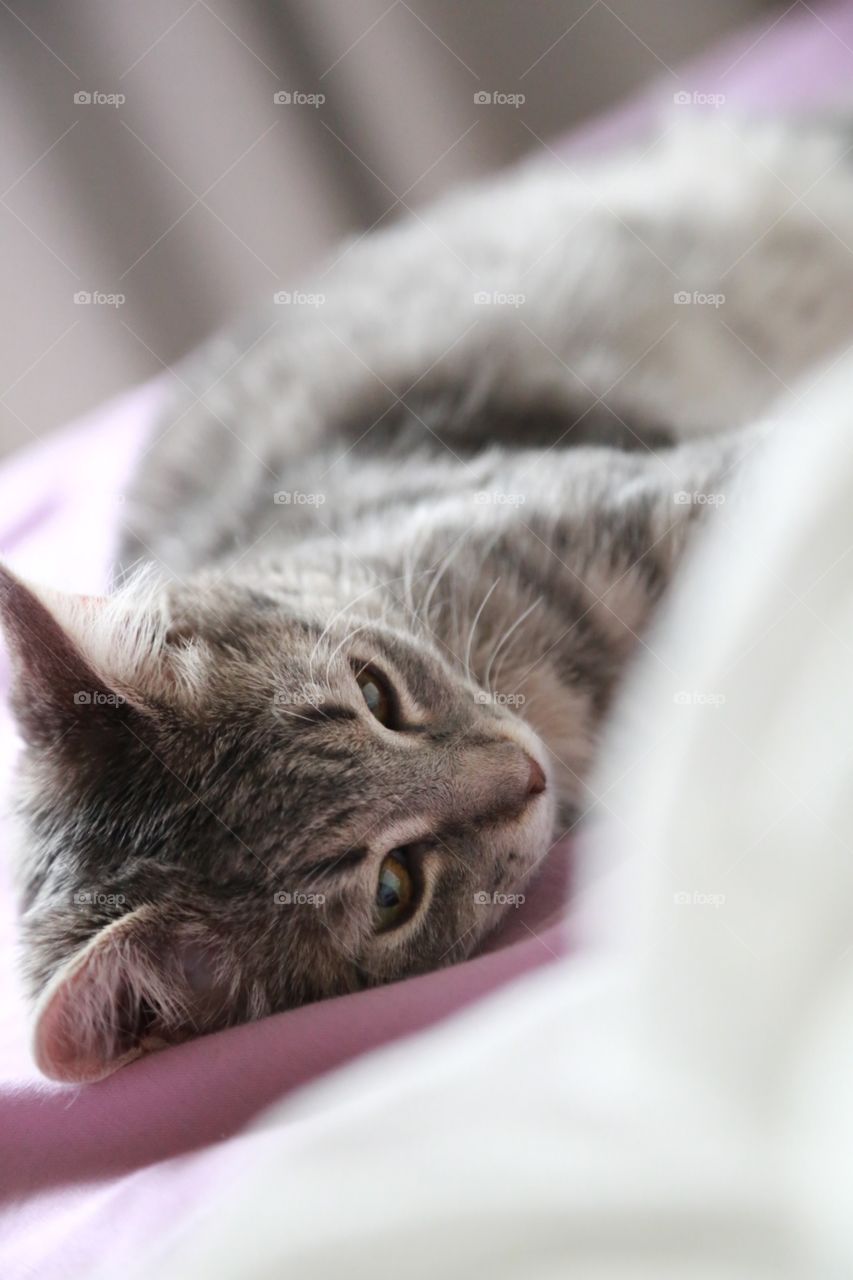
<point x="104" y="1168"/>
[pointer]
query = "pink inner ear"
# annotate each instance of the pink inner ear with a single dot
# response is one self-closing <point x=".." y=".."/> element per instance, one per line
<point x="98" y="1013"/>
<point x="77" y="1040"/>
<point x="138" y="985"/>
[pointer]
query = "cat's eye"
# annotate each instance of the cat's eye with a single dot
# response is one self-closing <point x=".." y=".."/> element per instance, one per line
<point x="395" y="891"/>
<point x="377" y="695"/>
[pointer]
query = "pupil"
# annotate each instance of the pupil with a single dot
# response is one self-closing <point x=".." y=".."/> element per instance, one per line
<point x="388" y="892"/>
<point x="371" y="694"/>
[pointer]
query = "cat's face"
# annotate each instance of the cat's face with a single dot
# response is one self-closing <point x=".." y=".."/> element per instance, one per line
<point x="235" y="804"/>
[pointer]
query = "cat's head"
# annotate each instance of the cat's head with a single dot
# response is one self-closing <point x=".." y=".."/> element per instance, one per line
<point x="234" y="803"/>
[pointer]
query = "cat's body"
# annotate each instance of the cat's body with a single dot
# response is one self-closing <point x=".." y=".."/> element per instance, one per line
<point x="412" y="537"/>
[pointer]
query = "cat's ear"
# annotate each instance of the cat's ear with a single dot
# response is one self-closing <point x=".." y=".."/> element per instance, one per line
<point x="77" y="659"/>
<point x="137" y="986"/>
<point x="53" y="681"/>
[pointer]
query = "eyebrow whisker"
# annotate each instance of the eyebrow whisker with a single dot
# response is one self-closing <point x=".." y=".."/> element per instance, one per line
<point x="338" y="647"/>
<point x="296" y="715"/>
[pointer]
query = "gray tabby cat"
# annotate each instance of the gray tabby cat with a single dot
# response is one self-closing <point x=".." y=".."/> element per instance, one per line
<point x="358" y="698"/>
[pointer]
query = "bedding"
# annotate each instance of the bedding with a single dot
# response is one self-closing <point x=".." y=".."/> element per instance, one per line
<point x="104" y="1168"/>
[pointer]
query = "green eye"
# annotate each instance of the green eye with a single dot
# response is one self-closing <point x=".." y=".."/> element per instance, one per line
<point x="376" y="695"/>
<point x="395" y="891"/>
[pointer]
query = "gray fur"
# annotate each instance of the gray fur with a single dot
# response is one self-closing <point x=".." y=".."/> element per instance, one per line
<point x="437" y="526"/>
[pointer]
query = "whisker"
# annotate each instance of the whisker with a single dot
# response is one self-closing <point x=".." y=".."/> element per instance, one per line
<point x="507" y="634"/>
<point x="426" y="604"/>
<point x="333" y="619"/>
<point x="477" y="616"/>
<point x="295" y="714"/>
<point x="338" y="648"/>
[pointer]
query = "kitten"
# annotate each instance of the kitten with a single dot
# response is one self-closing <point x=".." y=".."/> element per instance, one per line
<point x="357" y="699"/>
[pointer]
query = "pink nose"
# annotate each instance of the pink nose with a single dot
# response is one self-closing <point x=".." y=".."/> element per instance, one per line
<point x="536" y="782"/>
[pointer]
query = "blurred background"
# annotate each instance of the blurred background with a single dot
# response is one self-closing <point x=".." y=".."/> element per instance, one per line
<point x="162" y="164"/>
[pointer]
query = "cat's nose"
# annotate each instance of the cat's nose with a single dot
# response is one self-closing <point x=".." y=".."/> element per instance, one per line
<point x="487" y="783"/>
<point x="536" y="781"/>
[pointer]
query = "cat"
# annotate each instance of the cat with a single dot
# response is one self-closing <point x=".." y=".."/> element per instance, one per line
<point x="402" y="537"/>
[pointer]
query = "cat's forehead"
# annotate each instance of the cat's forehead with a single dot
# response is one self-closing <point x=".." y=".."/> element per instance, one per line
<point x="304" y="645"/>
<point x="235" y="617"/>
